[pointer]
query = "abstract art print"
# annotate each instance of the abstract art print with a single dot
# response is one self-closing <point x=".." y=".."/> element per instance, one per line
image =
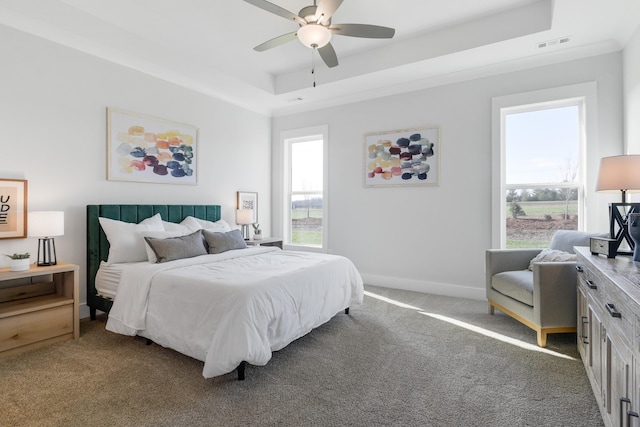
<point x="13" y="208"/>
<point x="148" y="149"/>
<point x="402" y="157"/>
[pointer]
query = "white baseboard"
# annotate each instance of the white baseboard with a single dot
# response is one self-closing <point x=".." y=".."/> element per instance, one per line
<point x="445" y="289"/>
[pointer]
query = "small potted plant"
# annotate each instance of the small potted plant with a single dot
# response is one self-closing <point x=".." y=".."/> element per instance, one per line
<point x="257" y="233"/>
<point x="19" y="262"/>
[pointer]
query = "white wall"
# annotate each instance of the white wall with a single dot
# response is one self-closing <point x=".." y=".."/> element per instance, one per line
<point x="53" y="119"/>
<point x="631" y="72"/>
<point x="433" y="239"/>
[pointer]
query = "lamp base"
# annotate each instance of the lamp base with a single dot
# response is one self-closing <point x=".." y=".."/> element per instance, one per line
<point x="619" y="225"/>
<point x="46" y="252"/>
<point x="245" y="231"/>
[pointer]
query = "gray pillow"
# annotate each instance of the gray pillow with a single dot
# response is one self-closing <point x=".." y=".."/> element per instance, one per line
<point x="173" y="248"/>
<point x="565" y="240"/>
<point x="222" y="242"/>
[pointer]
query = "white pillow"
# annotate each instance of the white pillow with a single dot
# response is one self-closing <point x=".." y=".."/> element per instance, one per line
<point x="151" y="255"/>
<point x="220" y="226"/>
<point x="185" y="229"/>
<point x="552" y="255"/>
<point x="125" y="238"/>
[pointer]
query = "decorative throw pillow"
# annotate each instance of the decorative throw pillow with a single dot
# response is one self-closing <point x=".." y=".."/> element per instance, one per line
<point x="126" y="243"/>
<point x="172" y="248"/>
<point x="565" y="240"/>
<point x="151" y="255"/>
<point x="552" y="255"/>
<point x="222" y="242"/>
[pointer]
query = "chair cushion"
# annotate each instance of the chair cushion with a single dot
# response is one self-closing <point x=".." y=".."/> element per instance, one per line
<point x="515" y="284"/>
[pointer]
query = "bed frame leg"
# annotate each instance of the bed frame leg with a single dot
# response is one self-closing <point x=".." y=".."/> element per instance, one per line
<point x="148" y="342"/>
<point x="92" y="313"/>
<point x="241" y="367"/>
<point x="346" y="310"/>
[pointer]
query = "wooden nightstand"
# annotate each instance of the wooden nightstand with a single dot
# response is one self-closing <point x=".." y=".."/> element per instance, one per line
<point x="267" y="241"/>
<point x="38" y="307"/>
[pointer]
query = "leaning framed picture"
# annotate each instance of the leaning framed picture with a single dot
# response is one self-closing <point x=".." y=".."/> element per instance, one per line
<point x="402" y="157"/>
<point x="13" y="208"/>
<point x="249" y="200"/>
<point x="143" y="148"/>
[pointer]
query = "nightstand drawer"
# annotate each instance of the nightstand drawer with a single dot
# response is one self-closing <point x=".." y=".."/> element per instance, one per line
<point x="17" y="331"/>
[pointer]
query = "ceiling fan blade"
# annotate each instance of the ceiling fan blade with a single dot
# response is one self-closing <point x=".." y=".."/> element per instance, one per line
<point x="326" y="9"/>
<point x="363" y="30"/>
<point x="328" y="55"/>
<point x="277" y="10"/>
<point x="275" y="42"/>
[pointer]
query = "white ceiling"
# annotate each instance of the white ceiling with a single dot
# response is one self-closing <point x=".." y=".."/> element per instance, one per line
<point x="207" y="45"/>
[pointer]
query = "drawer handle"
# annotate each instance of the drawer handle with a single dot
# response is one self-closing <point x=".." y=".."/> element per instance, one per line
<point x="629" y="415"/>
<point x="579" y="269"/>
<point x="624" y="400"/>
<point x="585" y="338"/>
<point x="612" y="310"/>
<point x="592" y="285"/>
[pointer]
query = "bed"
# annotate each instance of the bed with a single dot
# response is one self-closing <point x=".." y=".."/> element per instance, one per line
<point x="226" y="308"/>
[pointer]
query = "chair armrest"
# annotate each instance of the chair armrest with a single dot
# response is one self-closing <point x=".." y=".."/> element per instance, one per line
<point x="499" y="260"/>
<point x="554" y="293"/>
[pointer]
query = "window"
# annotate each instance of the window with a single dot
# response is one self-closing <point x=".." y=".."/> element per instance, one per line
<point x="539" y="184"/>
<point x="305" y="204"/>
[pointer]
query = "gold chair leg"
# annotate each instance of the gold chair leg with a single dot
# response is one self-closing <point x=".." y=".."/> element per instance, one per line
<point x="542" y="339"/>
<point x="491" y="309"/>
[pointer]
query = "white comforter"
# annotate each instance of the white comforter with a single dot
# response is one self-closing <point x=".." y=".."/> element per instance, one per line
<point x="236" y="306"/>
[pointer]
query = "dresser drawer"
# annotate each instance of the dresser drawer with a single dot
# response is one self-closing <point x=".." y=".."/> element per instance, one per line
<point x="592" y="286"/>
<point x="620" y="310"/>
<point x="22" y="329"/>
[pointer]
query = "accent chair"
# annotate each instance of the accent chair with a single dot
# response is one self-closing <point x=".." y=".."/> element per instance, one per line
<point x="540" y="294"/>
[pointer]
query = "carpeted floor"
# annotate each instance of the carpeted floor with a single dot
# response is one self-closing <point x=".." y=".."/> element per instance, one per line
<point x="384" y="364"/>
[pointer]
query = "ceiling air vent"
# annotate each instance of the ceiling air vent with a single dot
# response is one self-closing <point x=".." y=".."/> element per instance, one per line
<point x="553" y="42"/>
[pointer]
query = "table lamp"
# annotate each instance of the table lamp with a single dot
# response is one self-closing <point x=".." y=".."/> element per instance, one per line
<point x="620" y="173"/>
<point x="244" y="217"/>
<point x="46" y="225"/>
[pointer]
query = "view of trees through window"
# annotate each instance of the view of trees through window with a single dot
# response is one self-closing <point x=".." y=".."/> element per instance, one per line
<point x="543" y="186"/>
<point x="533" y="215"/>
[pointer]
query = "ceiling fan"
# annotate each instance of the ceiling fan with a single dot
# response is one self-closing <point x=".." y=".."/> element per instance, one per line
<point x="316" y="29"/>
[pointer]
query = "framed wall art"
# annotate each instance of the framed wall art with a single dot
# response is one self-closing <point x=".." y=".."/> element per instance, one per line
<point x="249" y="200"/>
<point x="13" y="208"/>
<point x="148" y="149"/>
<point x="402" y="157"/>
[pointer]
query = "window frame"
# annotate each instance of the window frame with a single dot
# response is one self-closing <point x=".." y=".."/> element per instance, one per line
<point x="584" y="96"/>
<point x="288" y="138"/>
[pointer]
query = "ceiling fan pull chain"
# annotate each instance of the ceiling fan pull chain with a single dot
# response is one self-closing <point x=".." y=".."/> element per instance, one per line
<point x="313" y="65"/>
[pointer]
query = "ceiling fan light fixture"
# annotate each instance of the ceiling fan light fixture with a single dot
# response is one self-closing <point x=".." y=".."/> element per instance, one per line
<point x="314" y="36"/>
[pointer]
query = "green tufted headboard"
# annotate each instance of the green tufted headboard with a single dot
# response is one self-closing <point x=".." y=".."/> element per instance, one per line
<point x="98" y="245"/>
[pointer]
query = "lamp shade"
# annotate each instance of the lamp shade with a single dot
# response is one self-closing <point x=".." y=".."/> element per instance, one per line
<point x="314" y="35"/>
<point x="46" y="224"/>
<point x="619" y="173"/>
<point x="244" y="216"/>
